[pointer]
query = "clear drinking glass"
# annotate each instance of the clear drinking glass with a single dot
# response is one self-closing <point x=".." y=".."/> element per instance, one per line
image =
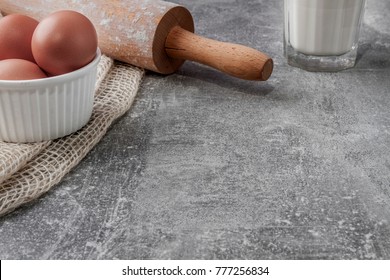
<point x="322" y="35"/>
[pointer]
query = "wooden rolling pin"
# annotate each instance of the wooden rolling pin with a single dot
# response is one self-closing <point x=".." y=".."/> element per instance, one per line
<point x="155" y="35"/>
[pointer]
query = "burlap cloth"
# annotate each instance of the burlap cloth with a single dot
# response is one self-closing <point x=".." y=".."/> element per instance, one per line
<point x="29" y="170"/>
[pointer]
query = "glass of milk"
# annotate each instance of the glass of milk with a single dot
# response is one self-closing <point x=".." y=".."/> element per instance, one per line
<point x="322" y="35"/>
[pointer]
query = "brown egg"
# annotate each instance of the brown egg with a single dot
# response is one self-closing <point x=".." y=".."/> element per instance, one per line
<point x="20" y="69"/>
<point x="63" y="42"/>
<point x="15" y="36"/>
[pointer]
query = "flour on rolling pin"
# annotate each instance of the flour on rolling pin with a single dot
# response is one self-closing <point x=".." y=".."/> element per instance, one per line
<point x="155" y="35"/>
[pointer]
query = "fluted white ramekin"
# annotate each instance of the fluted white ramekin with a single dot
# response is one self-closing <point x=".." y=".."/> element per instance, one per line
<point x="46" y="109"/>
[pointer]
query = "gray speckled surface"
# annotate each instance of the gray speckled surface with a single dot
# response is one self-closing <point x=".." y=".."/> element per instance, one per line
<point x="205" y="166"/>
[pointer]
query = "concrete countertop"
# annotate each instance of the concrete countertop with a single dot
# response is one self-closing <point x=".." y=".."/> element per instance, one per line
<point x="205" y="166"/>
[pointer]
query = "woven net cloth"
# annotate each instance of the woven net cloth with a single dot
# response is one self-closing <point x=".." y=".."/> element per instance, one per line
<point x="29" y="170"/>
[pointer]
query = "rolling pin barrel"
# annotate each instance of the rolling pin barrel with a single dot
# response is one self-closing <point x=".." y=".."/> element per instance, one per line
<point x="155" y="35"/>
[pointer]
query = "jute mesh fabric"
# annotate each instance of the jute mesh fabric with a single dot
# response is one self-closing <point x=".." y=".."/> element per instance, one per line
<point x="29" y="170"/>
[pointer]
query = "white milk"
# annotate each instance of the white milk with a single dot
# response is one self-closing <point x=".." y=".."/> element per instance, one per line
<point x="324" y="27"/>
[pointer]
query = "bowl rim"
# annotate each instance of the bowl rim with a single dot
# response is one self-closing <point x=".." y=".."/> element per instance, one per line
<point x="52" y="80"/>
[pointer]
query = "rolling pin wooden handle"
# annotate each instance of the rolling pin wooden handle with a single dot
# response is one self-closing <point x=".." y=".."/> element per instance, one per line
<point x="236" y="60"/>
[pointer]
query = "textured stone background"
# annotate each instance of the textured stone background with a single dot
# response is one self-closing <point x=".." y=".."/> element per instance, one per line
<point x="205" y="166"/>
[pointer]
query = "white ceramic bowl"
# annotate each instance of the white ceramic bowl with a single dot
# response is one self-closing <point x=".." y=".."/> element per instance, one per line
<point x="46" y="109"/>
